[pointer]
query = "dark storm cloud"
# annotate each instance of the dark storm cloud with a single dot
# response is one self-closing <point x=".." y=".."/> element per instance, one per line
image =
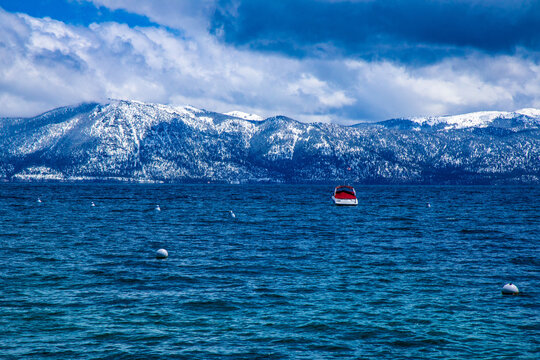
<point x="403" y="30"/>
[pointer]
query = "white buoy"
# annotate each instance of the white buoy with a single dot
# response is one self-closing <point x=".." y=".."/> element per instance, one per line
<point x="158" y="208"/>
<point x="93" y="204"/>
<point x="38" y="200"/>
<point x="510" y="289"/>
<point x="162" y="254"/>
<point x="428" y="205"/>
<point x="232" y="214"/>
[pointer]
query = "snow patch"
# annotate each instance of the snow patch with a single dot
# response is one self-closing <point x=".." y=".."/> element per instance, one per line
<point x="529" y="112"/>
<point x="39" y="173"/>
<point x="245" y="116"/>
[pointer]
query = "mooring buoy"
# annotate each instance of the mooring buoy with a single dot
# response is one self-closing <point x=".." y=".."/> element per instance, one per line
<point x="510" y="289"/>
<point x="162" y="254"/>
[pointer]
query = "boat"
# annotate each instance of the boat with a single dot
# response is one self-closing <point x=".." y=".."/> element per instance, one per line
<point x="345" y="195"/>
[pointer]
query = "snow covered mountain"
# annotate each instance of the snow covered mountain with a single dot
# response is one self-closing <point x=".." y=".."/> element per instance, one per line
<point x="517" y="120"/>
<point x="133" y="141"/>
<point x="479" y="119"/>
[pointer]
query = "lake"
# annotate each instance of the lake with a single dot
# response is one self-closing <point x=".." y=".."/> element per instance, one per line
<point x="411" y="272"/>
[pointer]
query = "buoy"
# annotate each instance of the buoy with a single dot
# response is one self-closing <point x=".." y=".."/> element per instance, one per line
<point x="510" y="289"/>
<point x="158" y="208"/>
<point x="38" y="200"/>
<point x="428" y="205"/>
<point x="162" y="254"/>
<point x="232" y="214"/>
<point x="93" y="204"/>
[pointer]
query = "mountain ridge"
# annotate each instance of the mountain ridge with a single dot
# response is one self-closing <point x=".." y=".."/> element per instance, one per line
<point x="124" y="140"/>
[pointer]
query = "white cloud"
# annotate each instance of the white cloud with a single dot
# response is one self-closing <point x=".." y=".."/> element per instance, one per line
<point x="449" y="87"/>
<point x="312" y="87"/>
<point x="191" y="16"/>
<point x="45" y="63"/>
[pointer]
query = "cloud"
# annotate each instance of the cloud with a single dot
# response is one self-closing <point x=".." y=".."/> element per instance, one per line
<point x="46" y="63"/>
<point x="49" y="62"/>
<point x="189" y="16"/>
<point x="452" y="86"/>
<point x="408" y="31"/>
<point x="309" y="87"/>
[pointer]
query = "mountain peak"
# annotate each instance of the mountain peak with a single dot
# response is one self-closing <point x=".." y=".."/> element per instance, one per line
<point x="475" y="119"/>
<point x="167" y="108"/>
<point x="245" y="116"/>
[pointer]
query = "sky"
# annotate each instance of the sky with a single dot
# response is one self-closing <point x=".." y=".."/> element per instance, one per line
<point x="313" y="60"/>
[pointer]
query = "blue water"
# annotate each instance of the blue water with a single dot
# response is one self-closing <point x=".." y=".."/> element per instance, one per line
<point x="291" y="277"/>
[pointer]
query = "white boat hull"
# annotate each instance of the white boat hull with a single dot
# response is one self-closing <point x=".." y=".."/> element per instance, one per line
<point x="345" y="202"/>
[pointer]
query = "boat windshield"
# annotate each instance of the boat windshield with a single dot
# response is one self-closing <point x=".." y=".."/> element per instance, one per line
<point x="344" y="189"/>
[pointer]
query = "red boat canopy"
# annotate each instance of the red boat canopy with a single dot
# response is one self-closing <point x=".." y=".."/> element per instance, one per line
<point x="344" y="192"/>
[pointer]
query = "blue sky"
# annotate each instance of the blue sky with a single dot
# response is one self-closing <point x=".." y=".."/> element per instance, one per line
<point x="313" y="60"/>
